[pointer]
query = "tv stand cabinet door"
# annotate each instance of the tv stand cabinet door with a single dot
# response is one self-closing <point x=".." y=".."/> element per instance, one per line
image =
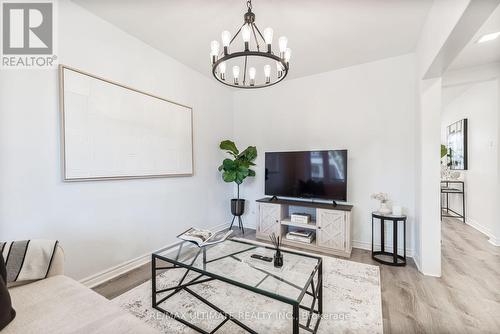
<point x="331" y="229"/>
<point x="269" y="219"/>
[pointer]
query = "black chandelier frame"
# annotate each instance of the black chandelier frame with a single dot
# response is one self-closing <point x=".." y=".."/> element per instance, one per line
<point x="249" y="19"/>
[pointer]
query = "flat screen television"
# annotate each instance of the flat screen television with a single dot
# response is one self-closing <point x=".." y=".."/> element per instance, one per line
<point x="307" y="174"/>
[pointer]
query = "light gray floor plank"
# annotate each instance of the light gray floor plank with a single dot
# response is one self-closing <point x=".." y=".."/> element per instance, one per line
<point x="466" y="299"/>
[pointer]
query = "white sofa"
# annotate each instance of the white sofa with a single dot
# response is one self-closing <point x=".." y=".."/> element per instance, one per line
<point x="59" y="304"/>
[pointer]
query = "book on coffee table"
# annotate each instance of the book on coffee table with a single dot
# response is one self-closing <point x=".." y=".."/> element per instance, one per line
<point x="204" y="237"/>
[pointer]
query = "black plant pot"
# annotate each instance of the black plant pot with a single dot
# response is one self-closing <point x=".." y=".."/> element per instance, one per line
<point x="237" y="206"/>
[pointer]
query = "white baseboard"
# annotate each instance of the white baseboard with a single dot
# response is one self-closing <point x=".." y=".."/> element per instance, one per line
<point x="484" y="230"/>
<point x="113" y="272"/>
<point x="494" y="241"/>
<point x="122" y="268"/>
<point x="416" y="260"/>
<point x="418" y="264"/>
<point x="388" y="247"/>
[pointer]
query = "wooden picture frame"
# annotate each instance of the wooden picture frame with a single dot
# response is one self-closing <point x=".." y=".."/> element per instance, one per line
<point x="110" y="131"/>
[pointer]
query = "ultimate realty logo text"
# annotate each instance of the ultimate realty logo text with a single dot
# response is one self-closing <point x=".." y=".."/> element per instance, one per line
<point x="28" y="35"/>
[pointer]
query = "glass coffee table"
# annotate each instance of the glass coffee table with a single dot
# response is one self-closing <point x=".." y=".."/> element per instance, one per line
<point x="231" y="262"/>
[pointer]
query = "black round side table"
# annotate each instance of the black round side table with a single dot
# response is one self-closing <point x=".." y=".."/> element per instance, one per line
<point x="397" y="260"/>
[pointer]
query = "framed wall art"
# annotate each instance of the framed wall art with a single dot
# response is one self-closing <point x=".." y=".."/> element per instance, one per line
<point x="457" y="144"/>
<point x="111" y="131"/>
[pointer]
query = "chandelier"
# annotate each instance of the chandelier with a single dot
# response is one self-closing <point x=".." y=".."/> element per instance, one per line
<point x="250" y="57"/>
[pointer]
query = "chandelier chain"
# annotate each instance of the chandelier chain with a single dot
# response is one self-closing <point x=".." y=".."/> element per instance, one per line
<point x="249" y="5"/>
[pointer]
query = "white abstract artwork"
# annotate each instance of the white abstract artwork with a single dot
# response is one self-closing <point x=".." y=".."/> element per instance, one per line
<point x="111" y="131"/>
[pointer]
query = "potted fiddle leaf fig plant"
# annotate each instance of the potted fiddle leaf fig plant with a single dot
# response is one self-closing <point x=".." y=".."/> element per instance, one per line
<point x="237" y="168"/>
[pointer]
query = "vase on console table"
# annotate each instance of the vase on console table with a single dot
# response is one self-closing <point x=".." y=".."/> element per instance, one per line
<point x="384" y="208"/>
<point x="383" y="198"/>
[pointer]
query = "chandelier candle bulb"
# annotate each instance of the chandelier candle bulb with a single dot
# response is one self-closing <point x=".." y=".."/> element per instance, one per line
<point x="245" y="34"/>
<point x="279" y="69"/>
<point x="214" y="50"/>
<point x="236" y="74"/>
<point x="251" y="74"/>
<point x="222" y="69"/>
<point x="288" y="54"/>
<point x="267" y="73"/>
<point x="268" y="37"/>
<point x="226" y="40"/>
<point x="283" y="41"/>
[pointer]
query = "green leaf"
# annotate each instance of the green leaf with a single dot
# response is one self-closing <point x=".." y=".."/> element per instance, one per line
<point x="241" y="174"/>
<point x="243" y="170"/>
<point x="229" y="176"/>
<point x="242" y="163"/>
<point x="444" y="151"/>
<point x="229" y="165"/>
<point x="229" y="146"/>
<point x="239" y="179"/>
<point x="250" y="153"/>
<point x="251" y="172"/>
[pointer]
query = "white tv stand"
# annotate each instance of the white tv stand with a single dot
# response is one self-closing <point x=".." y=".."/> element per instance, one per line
<point x="331" y="224"/>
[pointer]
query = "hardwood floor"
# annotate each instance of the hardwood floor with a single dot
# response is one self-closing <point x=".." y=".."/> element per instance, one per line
<point x="466" y="299"/>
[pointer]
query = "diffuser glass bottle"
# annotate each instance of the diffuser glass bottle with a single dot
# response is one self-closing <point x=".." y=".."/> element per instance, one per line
<point x="278" y="256"/>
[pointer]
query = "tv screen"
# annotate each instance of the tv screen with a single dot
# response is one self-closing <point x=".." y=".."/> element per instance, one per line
<point x="307" y="174"/>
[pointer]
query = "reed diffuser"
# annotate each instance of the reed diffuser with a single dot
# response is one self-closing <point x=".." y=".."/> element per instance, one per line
<point x="278" y="257"/>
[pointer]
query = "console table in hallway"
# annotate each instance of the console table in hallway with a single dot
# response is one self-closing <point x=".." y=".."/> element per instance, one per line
<point x="452" y="187"/>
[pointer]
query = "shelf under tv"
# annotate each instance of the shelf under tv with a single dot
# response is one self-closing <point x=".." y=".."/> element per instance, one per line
<point x="313" y="246"/>
<point x="299" y="243"/>
<point x="310" y="226"/>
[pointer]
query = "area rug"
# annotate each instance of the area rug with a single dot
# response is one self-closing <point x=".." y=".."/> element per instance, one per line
<point x="351" y="303"/>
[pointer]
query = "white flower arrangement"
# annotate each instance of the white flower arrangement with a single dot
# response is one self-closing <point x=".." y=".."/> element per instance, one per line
<point x="382" y="197"/>
<point x="384" y="201"/>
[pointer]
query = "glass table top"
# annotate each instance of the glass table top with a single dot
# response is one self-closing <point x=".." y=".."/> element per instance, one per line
<point x="231" y="261"/>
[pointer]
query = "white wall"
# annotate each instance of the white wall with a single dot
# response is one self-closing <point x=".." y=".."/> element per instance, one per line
<point x="478" y="102"/>
<point x="459" y="81"/>
<point x="432" y="45"/>
<point x="428" y="224"/>
<point x="495" y="239"/>
<point x="448" y="28"/>
<point x="104" y="223"/>
<point x="367" y="109"/>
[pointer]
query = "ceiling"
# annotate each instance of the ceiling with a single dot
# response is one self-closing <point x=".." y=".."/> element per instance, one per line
<point x="323" y="34"/>
<point x="475" y="54"/>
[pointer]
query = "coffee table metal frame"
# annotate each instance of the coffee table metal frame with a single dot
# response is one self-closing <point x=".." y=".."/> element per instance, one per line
<point x="205" y="276"/>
